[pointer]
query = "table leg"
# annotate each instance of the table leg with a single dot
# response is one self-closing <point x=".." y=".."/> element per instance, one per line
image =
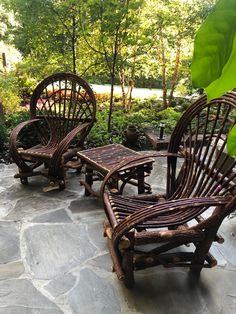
<point x="141" y="182"/>
<point x="115" y="183"/>
<point x="88" y="179"/>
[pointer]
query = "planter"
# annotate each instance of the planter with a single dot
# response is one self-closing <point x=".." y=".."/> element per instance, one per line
<point x="131" y="135"/>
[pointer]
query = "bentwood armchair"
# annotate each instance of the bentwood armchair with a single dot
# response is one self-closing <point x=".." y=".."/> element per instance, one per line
<point x="200" y="193"/>
<point x="62" y="110"/>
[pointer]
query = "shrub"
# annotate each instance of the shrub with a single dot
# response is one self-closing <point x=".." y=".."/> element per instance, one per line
<point x="27" y="137"/>
<point x="3" y="135"/>
<point x="167" y="116"/>
<point x="9" y="93"/>
<point x="102" y="97"/>
<point x="142" y="119"/>
<point x="13" y="119"/>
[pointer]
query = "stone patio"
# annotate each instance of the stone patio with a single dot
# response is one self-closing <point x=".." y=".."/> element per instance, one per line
<point x="54" y="258"/>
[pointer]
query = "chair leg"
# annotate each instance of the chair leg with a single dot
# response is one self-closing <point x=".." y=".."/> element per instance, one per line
<point x="202" y="250"/>
<point x="24" y="181"/>
<point x="62" y="185"/>
<point x="61" y="178"/>
<point x="126" y="247"/>
<point x="88" y="179"/>
<point x="128" y="268"/>
<point x="141" y="182"/>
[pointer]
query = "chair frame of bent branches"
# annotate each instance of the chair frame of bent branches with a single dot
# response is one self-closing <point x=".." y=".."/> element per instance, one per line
<point x="178" y="228"/>
<point x="62" y="111"/>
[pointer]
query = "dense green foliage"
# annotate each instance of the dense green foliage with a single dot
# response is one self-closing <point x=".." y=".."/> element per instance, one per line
<point x="107" y="41"/>
<point x="214" y="59"/>
<point x="3" y="135"/>
<point x="104" y="41"/>
<point x="9" y="93"/>
<point x="145" y="114"/>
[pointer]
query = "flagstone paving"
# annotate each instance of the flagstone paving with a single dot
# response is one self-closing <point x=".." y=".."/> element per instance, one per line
<point x="54" y="259"/>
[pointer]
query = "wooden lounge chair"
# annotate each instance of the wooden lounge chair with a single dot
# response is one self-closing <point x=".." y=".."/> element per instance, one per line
<point x="62" y="110"/>
<point x="148" y="230"/>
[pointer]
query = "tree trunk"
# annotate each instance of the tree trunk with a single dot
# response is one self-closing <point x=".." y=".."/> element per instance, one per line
<point x="129" y="93"/>
<point x="112" y="90"/>
<point x="122" y="84"/>
<point x="1" y="110"/>
<point x="176" y="72"/>
<point x="111" y="103"/>
<point x="112" y="72"/>
<point x="74" y="44"/>
<point x="163" y="67"/>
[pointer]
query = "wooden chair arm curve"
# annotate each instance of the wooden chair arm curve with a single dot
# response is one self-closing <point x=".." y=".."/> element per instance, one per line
<point x="17" y="130"/>
<point x="170" y="213"/>
<point x="130" y="160"/>
<point x="62" y="147"/>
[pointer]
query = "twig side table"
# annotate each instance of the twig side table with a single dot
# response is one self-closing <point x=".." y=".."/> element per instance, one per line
<point x="99" y="161"/>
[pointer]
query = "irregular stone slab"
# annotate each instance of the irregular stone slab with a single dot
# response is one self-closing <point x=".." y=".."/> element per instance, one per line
<point x="228" y="232"/>
<point x="85" y="205"/>
<point x="55" y="249"/>
<point x="11" y="270"/>
<point x="87" y="210"/>
<point x="9" y="242"/>
<point x="16" y="191"/>
<point x="102" y="261"/>
<point x="94" y="294"/>
<point x="6" y="183"/>
<point x="62" y="195"/>
<point x="20" y="296"/>
<point x="95" y="233"/>
<point x="221" y="261"/>
<point x="31" y="205"/>
<point x="59" y="215"/>
<point x="2" y="187"/>
<point x="60" y="285"/>
<point x="168" y="291"/>
<point x="4" y="209"/>
<point x="2" y="167"/>
<point x="8" y="171"/>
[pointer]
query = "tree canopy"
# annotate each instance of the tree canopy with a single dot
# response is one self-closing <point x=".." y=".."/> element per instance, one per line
<point x="144" y="42"/>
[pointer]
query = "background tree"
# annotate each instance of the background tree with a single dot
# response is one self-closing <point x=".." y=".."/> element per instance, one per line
<point x="47" y="31"/>
<point x="106" y="26"/>
<point x="170" y="27"/>
<point x="142" y="42"/>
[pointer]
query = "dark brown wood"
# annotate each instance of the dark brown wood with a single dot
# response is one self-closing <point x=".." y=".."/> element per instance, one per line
<point x="200" y="194"/>
<point x="62" y="110"/>
<point x="106" y="158"/>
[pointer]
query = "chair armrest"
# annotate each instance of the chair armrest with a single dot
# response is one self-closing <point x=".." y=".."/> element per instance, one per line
<point x="17" y="130"/>
<point x="64" y="144"/>
<point x="171" y="213"/>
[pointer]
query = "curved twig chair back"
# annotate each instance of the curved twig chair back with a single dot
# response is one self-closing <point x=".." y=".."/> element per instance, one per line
<point x="64" y="101"/>
<point x="200" y="193"/>
<point x="62" y="109"/>
<point x="200" y="138"/>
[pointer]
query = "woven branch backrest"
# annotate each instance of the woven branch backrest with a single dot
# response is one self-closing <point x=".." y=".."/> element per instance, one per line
<point x="200" y="137"/>
<point x="63" y="101"/>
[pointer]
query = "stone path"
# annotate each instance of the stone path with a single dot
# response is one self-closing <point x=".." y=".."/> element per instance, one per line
<point x="54" y="259"/>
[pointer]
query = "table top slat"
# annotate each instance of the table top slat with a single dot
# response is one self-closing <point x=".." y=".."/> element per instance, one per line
<point x="106" y="157"/>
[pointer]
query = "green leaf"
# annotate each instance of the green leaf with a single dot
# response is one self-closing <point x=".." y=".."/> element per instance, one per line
<point x="214" y="59"/>
<point x="231" y="142"/>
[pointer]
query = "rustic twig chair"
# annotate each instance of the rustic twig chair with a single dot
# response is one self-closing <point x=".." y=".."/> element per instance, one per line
<point x="62" y="110"/>
<point x="199" y="195"/>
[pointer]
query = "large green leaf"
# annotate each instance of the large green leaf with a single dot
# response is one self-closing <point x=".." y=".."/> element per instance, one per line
<point x="214" y="60"/>
<point x="231" y="142"/>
